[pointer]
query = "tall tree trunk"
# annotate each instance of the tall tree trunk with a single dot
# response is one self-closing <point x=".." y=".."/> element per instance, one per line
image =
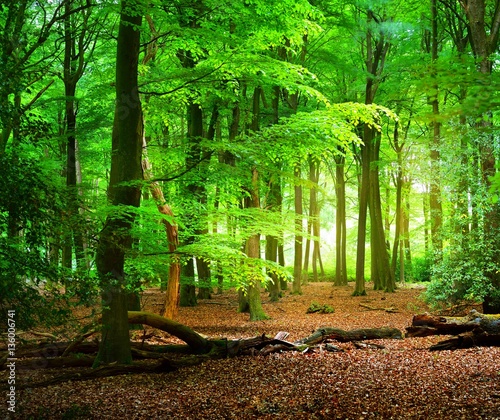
<point x="406" y="222"/>
<point x="194" y="135"/>
<point x="171" y="303"/>
<point x="297" y="265"/>
<point x="425" y="211"/>
<point x="273" y="204"/>
<point x="399" y="209"/>
<point x="364" y="191"/>
<point x="340" y="223"/>
<point x="376" y="52"/>
<point x="252" y="250"/>
<point x="436" y="209"/>
<point x="380" y="256"/>
<point x="484" y="41"/>
<point x="202" y="265"/>
<point x="115" y="238"/>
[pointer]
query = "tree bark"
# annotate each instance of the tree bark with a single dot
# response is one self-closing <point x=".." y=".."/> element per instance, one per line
<point x="436" y="209"/>
<point x="171" y="304"/>
<point x="484" y="41"/>
<point x="115" y="238"/>
<point x="425" y="324"/>
<point x="340" y="224"/>
<point x="297" y="266"/>
<point x="329" y="333"/>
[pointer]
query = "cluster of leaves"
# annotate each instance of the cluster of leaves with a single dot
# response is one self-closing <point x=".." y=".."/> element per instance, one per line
<point x="465" y="273"/>
<point x="30" y="206"/>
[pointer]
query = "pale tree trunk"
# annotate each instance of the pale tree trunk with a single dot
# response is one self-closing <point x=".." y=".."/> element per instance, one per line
<point x="314" y="217"/>
<point x="115" y="238"/>
<point x="399" y="181"/>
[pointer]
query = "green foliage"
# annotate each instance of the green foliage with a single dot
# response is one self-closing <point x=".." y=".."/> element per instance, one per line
<point x="421" y="268"/>
<point x="495" y="186"/>
<point x="31" y="210"/>
<point x="315" y="307"/>
<point x="464" y="274"/>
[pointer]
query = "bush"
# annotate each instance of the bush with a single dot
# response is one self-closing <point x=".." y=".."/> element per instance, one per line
<point x="464" y="275"/>
<point x="421" y="268"/>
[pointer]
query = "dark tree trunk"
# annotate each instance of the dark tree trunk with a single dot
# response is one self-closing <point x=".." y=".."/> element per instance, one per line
<point x="340" y="223"/>
<point x="188" y="287"/>
<point x="436" y="209"/>
<point x="115" y="236"/>
<point x="364" y="191"/>
<point x="484" y="38"/>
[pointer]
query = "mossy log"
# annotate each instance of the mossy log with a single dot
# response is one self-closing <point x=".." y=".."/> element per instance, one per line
<point x="328" y="333"/>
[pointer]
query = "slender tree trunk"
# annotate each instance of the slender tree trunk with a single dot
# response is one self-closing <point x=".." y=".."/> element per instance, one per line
<point x="399" y="228"/>
<point x="171" y="304"/>
<point x="272" y="255"/>
<point x="425" y="210"/>
<point x="314" y="214"/>
<point x="436" y="209"/>
<point x="406" y="223"/>
<point x="274" y="204"/>
<point x="252" y="249"/>
<point x="297" y="266"/>
<point x="115" y="236"/>
<point x="195" y="133"/>
<point x="364" y="191"/>
<point x="379" y="246"/>
<point x="340" y="224"/>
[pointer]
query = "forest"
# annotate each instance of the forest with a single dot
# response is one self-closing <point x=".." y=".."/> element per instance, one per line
<point x="196" y="150"/>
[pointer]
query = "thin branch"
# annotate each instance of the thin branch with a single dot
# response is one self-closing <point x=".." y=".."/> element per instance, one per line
<point x="37" y="96"/>
<point x="206" y="156"/>
<point x="184" y="84"/>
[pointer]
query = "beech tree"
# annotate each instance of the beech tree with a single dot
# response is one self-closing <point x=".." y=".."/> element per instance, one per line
<point x="124" y="191"/>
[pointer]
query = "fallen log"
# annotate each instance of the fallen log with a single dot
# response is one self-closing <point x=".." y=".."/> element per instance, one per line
<point x="391" y="309"/>
<point x="194" y="340"/>
<point x="475" y="338"/>
<point x="474" y="329"/>
<point x="424" y="325"/>
<point x="328" y="333"/>
<point x="199" y="347"/>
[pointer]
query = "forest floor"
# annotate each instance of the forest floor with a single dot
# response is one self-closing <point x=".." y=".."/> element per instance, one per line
<point x="401" y="381"/>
